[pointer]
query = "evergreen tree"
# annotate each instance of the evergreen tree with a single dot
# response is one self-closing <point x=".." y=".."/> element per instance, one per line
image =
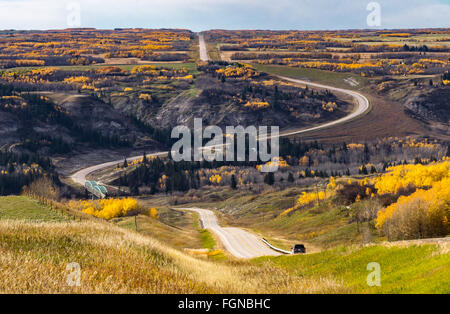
<point x="233" y="182"/>
<point x="290" y="177"/>
<point x="134" y="190"/>
<point x="363" y="170"/>
<point x="275" y="97"/>
<point x="366" y="153"/>
<point x="269" y="178"/>
<point x="144" y="158"/>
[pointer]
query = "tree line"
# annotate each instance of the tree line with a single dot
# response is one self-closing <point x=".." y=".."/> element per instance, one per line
<point x="17" y="171"/>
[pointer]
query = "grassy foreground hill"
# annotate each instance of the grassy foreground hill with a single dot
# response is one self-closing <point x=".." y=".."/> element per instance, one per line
<point x="409" y="269"/>
<point x="34" y="257"/>
<point x="35" y="251"/>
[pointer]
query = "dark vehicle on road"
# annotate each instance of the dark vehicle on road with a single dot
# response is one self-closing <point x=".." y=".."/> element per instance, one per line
<point x="298" y="248"/>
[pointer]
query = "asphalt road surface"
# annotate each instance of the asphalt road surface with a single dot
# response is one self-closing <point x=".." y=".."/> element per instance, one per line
<point x="238" y="242"/>
<point x="362" y="105"/>
<point x="203" y="51"/>
<point x="80" y="176"/>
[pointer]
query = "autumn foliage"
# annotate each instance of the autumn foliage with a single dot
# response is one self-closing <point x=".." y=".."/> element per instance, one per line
<point x="245" y="71"/>
<point x="91" y="46"/>
<point x="419" y="176"/>
<point x="307" y="198"/>
<point x="108" y="208"/>
<point x="424" y="213"/>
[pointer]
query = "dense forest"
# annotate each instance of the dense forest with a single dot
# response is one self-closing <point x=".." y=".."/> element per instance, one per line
<point x="20" y="169"/>
<point x="298" y="160"/>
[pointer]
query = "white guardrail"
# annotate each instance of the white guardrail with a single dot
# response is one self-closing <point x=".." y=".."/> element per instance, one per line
<point x="275" y="248"/>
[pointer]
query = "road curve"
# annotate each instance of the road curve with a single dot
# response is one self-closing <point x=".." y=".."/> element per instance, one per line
<point x="202" y="46"/>
<point x="238" y="242"/>
<point x="80" y="176"/>
<point x="362" y="105"/>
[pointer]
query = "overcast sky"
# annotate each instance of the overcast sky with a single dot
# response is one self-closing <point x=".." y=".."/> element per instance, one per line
<point x="225" y="14"/>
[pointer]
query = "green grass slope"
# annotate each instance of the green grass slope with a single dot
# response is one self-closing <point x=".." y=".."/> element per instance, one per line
<point x="320" y="226"/>
<point x="413" y="269"/>
<point x="315" y="75"/>
<point x="25" y="208"/>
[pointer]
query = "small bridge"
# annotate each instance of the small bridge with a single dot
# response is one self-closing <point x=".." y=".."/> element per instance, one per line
<point x="96" y="189"/>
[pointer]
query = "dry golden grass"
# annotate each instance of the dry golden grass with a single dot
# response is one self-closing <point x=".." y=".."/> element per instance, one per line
<point x="34" y="257"/>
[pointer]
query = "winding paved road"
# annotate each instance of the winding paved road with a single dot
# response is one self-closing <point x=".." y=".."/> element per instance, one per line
<point x="362" y="105"/>
<point x="80" y="176"/>
<point x="362" y="102"/>
<point x="238" y="242"/>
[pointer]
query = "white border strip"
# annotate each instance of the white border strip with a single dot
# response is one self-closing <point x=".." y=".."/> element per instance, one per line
<point x="275" y="248"/>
